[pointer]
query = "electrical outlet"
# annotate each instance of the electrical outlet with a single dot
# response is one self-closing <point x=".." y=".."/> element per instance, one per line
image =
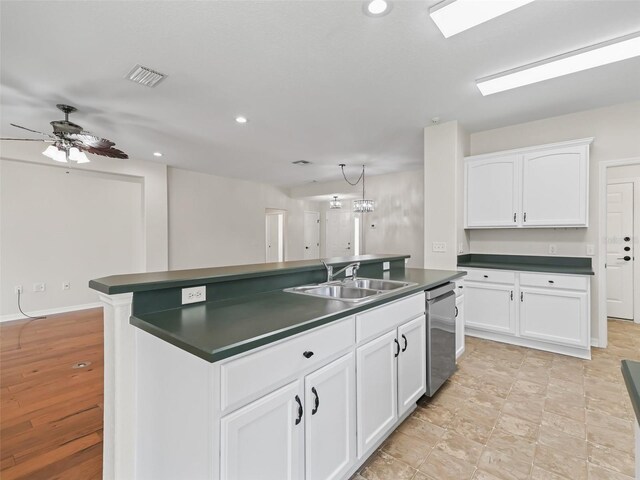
<point x="460" y="248"/>
<point x="39" y="287"/>
<point x="591" y="250"/>
<point x="439" y="247"/>
<point x="553" y="249"/>
<point x="17" y="289"/>
<point x="194" y="295"/>
<point x="66" y="285"/>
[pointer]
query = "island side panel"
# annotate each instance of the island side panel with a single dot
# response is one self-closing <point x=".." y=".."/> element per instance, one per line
<point x="118" y="458"/>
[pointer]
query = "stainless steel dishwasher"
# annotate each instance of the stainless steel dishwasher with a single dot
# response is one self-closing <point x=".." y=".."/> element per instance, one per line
<point x="441" y="336"/>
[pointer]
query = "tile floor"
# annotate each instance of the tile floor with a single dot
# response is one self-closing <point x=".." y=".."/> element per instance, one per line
<point x="513" y="413"/>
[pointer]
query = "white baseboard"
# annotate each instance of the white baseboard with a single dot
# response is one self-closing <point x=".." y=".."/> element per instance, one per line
<point x="51" y="311"/>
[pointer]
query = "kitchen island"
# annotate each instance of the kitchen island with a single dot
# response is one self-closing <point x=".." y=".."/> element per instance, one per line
<point x="242" y="380"/>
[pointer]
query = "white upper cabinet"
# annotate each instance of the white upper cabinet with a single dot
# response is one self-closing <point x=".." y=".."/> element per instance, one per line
<point x="544" y="186"/>
<point x="493" y="192"/>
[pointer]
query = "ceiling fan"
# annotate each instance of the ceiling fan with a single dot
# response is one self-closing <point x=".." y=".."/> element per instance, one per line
<point x="69" y="141"/>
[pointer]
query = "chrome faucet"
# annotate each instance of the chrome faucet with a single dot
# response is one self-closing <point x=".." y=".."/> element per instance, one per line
<point x="331" y="275"/>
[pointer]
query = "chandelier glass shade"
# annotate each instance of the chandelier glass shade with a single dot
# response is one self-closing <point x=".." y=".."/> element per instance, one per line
<point x="364" y="206"/>
<point x="335" y="203"/>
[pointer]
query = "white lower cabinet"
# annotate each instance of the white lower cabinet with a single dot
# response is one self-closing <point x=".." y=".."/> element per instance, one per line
<point x="538" y="310"/>
<point x="460" y="325"/>
<point x="391" y="376"/>
<point x="554" y="316"/>
<point x="376" y="384"/>
<point x="330" y="420"/>
<point x="265" y="438"/>
<point x="490" y="307"/>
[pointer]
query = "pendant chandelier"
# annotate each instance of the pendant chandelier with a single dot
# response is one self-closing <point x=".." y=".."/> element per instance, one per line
<point x="362" y="205"/>
<point x="335" y="203"/>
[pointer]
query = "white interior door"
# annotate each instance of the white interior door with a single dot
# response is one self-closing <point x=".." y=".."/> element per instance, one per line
<point x="311" y="235"/>
<point x="274" y="237"/>
<point x="620" y="254"/>
<point x="340" y="234"/>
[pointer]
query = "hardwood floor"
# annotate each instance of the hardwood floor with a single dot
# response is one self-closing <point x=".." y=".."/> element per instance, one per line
<point x="51" y="413"/>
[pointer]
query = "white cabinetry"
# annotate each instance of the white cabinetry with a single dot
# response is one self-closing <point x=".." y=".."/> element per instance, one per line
<point x="330" y="429"/>
<point x="412" y="365"/>
<point x="538" y="310"/>
<point x="543" y="186"/>
<point x="460" y="321"/>
<point x="264" y="439"/>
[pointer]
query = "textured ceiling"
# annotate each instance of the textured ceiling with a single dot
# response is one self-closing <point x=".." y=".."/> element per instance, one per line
<point x="318" y="80"/>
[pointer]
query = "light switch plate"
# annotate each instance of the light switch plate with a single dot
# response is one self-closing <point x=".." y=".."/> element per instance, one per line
<point x="553" y="249"/>
<point x="439" y="247"/>
<point x="194" y="295"/>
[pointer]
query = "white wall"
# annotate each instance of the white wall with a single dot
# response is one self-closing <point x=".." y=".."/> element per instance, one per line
<point x="615" y="129"/>
<point x="445" y="146"/>
<point x="59" y="225"/>
<point x="216" y="221"/>
<point x="398" y="216"/>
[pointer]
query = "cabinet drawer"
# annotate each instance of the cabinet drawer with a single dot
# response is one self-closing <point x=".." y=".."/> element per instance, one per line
<point x="491" y="276"/>
<point x="459" y="289"/>
<point x="382" y="319"/>
<point x="567" y="282"/>
<point x="259" y="372"/>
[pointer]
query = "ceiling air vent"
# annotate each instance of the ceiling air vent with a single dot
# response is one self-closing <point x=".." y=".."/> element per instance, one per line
<point x="301" y="162"/>
<point x="145" y="76"/>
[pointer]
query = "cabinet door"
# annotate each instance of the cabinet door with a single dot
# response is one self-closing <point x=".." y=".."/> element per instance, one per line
<point x="376" y="389"/>
<point x="490" y="307"/>
<point x="412" y="363"/>
<point x="262" y="439"/>
<point x="492" y="192"/>
<point x="459" y="325"/>
<point x="330" y="427"/>
<point x="558" y="316"/>
<point x="555" y="187"/>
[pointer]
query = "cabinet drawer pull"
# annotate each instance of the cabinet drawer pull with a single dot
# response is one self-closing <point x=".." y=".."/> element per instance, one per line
<point x="486" y="276"/>
<point x="397" y="347"/>
<point x="551" y="281"/>
<point x="300" y="411"/>
<point x="316" y="401"/>
<point x="406" y="344"/>
<point x="307" y="354"/>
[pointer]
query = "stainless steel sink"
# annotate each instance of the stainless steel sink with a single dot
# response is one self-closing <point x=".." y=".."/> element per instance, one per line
<point x="375" y="284"/>
<point x="358" y="290"/>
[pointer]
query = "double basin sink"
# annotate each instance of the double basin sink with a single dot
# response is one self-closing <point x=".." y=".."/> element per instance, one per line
<point x="351" y="290"/>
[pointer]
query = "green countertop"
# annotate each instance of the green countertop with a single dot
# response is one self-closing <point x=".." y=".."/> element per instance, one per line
<point x="140" y="282"/>
<point x="631" y="374"/>
<point x="217" y="330"/>
<point x="528" y="263"/>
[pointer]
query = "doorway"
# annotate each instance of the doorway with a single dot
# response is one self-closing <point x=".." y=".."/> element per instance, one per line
<point x="618" y="278"/>
<point x="339" y="234"/>
<point x="274" y="233"/>
<point x="311" y="235"/>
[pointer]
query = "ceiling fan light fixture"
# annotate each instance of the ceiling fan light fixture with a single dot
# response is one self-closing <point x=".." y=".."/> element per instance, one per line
<point x="55" y="154"/>
<point x="455" y="16"/>
<point x="77" y="156"/>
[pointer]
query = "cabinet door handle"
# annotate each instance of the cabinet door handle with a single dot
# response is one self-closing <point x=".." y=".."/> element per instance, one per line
<point x="300" y="411"/>
<point x="525" y="216"/>
<point x="406" y="344"/>
<point x="307" y="354"/>
<point x="511" y="295"/>
<point x="522" y="296"/>
<point x="397" y="347"/>
<point x="515" y="215"/>
<point x="316" y="402"/>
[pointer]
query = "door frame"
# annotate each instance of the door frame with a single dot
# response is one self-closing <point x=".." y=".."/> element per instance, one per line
<point x="283" y="213"/>
<point x="315" y="212"/>
<point x="601" y="272"/>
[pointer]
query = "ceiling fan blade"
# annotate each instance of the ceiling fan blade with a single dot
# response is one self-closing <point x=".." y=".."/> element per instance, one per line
<point x="104" y="151"/>
<point x="28" y="139"/>
<point x="89" y="140"/>
<point x="29" y="130"/>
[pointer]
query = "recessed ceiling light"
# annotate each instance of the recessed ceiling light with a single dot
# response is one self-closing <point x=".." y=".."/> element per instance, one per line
<point x="377" y="8"/>
<point x="455" y="16"/>
<point x="157" y="154"/>
<point x="241" y="119"/>
<point x="621" y="48"/>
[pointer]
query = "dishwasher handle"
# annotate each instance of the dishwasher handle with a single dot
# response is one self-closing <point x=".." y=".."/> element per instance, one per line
<point x="439" y="291"/>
